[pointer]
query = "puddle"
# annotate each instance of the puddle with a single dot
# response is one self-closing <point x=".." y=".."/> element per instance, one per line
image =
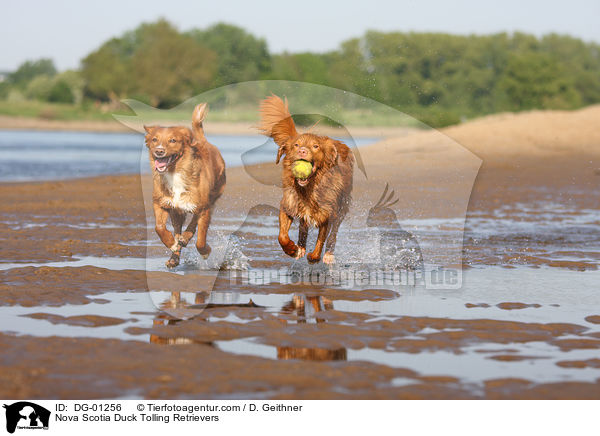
<point x="117" y="264"/>
<point x="24" y="225"/>
<point x="538" y="260"/>
<point x="535" y="235"/>
<point x="112" y="304"/>
<point x="469" y="366"/>
<point x="541" y="233"/>
<point x="114" y="263"/>
<point x="241" y="308"/>
<point x="472" y="367"/>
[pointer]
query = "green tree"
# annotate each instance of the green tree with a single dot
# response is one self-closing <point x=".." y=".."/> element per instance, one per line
<point x="106" y="71"/>
<point x="4" y="89"/>
<point x="75" y="83"/>
<point x="61" y="93"/>
<point x="169" y="67"/>
<point x="352" y="69"/>
<point x="31" y="69"/>
<point x="154" y="62"/>
<point x="579" y="60"/>
<point x="240" y="55"/>
<point x="536" y="80"/>
<point x="439" y="78"/>
<point x="306" y="67"/>
<point x="39" y="88"/>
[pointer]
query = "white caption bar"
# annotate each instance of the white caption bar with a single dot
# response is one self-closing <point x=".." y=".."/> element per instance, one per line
<point x="49" y="417"/>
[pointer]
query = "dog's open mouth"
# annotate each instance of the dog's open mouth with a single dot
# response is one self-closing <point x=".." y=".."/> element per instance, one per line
<point x="162" y="163"/>
<point x="302" y="182"/>
<point x="302" y="171"/>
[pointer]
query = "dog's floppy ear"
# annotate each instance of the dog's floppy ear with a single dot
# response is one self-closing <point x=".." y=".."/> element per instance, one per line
<point x="276" y="122"/>
<point x="149" y="131"/>
<point x="331" y="153"/>
<point x="280" y="153"/>
<point x="186" y="135"/>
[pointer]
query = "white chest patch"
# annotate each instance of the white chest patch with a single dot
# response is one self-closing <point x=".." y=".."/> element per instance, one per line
<point x="178" y="190"/>
<point x="309" y="220"/>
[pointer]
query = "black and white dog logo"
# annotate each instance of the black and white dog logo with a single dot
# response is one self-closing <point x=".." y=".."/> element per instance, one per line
<point x="26" y="415"/>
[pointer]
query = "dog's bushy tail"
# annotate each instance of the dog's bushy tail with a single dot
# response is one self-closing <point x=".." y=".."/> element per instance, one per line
<point x="198" y="117"/>
<point x="276" y="120"/>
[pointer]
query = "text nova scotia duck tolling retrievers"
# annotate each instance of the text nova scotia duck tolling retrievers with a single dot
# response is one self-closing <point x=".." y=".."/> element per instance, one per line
<point x="317" y="181"/>
<point x="189" y="176"/>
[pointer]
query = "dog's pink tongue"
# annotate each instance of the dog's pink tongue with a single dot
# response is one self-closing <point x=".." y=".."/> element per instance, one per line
<point x="160" y="166"/>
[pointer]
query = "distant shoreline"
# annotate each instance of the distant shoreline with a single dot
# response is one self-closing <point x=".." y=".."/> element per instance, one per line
<point x="211" y="128"/>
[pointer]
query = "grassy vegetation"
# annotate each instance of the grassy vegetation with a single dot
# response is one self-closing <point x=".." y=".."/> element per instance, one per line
<point x="90" y="112"/>
<point x="53" y="111"/>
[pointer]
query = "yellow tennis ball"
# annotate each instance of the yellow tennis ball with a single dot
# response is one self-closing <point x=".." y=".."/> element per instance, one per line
<point x="301" y="169"/>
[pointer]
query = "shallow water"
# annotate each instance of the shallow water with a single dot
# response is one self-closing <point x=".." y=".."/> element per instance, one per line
<point x="470" y="362"/>
<point x="526" y="307"/>
<point x="40" y="155"/>
<point x="524" y="294"/>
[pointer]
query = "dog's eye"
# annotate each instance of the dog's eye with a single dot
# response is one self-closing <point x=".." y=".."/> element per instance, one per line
<point x="172" y="140"/>
<point x="154" y="139"/>
<point x="296" y="145"/>
<point x="316" y="146"/>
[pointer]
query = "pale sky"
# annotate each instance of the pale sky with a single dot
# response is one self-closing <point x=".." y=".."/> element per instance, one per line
<point x="66" y="30"/>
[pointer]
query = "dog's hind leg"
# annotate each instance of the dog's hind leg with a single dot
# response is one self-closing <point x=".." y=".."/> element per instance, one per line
<point x="315" y="256"/>
<point x="328" y="257"/>
<point x="177" y="219"/>
<point x="189" y="231"/>
<point x="203" y="222"/>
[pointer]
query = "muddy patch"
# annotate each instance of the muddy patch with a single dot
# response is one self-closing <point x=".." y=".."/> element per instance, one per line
<point x="515" y="305"/>
<point x="79" y="320"/>
<point x="590" y="363"/>
<point x="74" y="281"/>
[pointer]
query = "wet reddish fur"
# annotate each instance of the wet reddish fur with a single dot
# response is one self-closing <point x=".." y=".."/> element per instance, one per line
<point x="202" y="168"/>
<point x="325" y="200"/>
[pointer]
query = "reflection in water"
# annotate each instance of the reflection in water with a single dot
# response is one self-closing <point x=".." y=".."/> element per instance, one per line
<point x="169" y="305"/>
<point x="399" y="250"/>
<point x="303" y="308"/>
<point x="299" y="306"/>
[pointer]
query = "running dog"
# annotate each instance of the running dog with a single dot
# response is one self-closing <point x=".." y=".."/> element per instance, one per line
<point x="321" y="198"/>
<point x="189" y="176"/>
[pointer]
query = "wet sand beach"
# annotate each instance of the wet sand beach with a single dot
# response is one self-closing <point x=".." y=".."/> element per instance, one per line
<point x="88" y="309"/>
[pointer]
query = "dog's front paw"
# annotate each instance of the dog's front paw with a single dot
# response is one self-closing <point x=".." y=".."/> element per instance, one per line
<point x="290" y="248"/>
<point x="173" y="261"/>
<point x="328" y="258"/>
<point x="313" y="258"/>
<point x="300" y="253"/>
<point x="204" y="250"/>
<point x="181" y="241"/>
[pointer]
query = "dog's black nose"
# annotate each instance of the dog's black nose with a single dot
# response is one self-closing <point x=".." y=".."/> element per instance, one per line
<point x="159" y="153"/>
